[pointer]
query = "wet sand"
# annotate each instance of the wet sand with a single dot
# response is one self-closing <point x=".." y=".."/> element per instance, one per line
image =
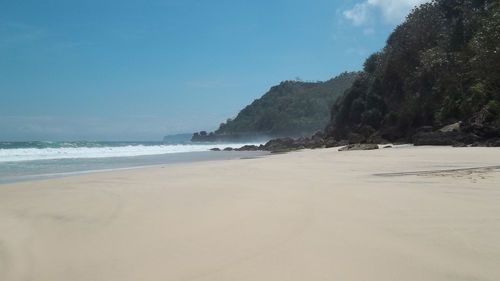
<point x="409" y="213"/>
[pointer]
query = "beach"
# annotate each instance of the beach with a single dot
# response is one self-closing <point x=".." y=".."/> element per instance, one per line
<point x="403" y="213"/>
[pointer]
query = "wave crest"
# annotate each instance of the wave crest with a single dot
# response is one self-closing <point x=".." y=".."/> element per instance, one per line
<point x="31" y="154"/>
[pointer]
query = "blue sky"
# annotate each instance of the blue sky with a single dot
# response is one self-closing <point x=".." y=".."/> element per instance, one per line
<point x="137" y="70"/>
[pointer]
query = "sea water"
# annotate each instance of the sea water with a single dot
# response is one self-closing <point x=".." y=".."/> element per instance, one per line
<point x="20" y="161"/>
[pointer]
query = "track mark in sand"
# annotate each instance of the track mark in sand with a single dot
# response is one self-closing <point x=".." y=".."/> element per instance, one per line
<point x="462" y="172"/>
<point x="473" y="175"/>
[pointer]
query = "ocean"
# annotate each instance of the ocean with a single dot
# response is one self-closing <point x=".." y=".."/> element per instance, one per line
<point x="21" y="161"/>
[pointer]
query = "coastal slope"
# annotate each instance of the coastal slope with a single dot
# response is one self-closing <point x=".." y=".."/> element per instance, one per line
<point x="292" y="108"/>
<point x="435" y="82"/>
<point x="406" y="213"/>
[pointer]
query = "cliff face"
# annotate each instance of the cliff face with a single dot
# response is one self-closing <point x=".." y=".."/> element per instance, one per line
<point x="292" y="108"/>
<point x="441" y="66"/>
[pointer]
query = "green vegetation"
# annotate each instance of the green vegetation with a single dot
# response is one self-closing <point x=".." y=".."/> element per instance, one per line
<point x="440" y="66"/>
<point x="290" y="109"/>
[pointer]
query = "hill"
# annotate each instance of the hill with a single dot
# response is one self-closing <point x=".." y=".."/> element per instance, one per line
<point x="440" y="67"/>
<point x="292" y="108"/>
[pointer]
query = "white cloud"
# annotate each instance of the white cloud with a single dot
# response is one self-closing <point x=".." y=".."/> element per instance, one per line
<point x="359" y="13"/>
<point x="392" y="11"/>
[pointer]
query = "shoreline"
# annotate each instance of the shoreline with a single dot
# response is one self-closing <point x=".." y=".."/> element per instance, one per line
<point x="305" y="215"/>
<point x="216" y="156"/>
<point x="122" y="163"/>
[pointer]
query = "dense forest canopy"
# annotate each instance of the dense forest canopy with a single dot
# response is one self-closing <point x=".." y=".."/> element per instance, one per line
<point x="440" y="66"/>
<point x="292" y="108"/>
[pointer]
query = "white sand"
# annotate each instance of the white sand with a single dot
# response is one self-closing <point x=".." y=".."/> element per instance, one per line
<point x="310" y="215"/>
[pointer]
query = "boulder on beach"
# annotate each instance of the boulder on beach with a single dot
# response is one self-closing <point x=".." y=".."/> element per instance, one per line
<point x="278" y="144"/>
<point x="248" y="148"/>
<point x="359" y="146"/>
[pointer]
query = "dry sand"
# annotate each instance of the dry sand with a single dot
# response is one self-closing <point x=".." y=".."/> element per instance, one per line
<point x="309" y="215"/>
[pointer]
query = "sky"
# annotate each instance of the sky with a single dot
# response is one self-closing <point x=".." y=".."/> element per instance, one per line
<point x="139" y="70"/>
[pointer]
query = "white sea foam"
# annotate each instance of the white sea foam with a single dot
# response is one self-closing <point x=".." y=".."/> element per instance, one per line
<point x="30" y="154"/>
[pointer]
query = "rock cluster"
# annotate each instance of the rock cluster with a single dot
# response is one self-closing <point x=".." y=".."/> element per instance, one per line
<point x="359" y="146"/>
<point x="318" y="140"/>
<point x="479" y="130"/>
<point x="286" y="144"/>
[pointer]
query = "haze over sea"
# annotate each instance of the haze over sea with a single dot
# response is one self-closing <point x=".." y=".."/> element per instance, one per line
<point x="21" y="161"/>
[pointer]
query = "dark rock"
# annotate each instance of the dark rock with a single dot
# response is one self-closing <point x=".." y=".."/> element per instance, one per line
<point x="443" y="138"/>
<point x="228" y="149"/>
<point x="434" y="138"/>
<point x="278" y="144"/>
<point x="343" y="142"/>
<point x="300" y="142"/>
<point x="392" y="134"/>
<point x="492" y="143"/>
<point x="248" y="148"/>
<point x="496" y="142"/>
<point x="215" y="149"/>
<point x="376" y="139"/>
<point x="482" y="124"/>
<point x="331" y="142"/>
<point x="387" y="146"/>
<point x="359" y="146"/>
<point x="315" y="142"/>
<point x="319" y="134"/>
<point x="354" y="138"/>
<point x="424" y="129"/>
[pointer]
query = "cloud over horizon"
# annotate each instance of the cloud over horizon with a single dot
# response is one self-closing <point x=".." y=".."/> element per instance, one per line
<point x="391" y="11"/>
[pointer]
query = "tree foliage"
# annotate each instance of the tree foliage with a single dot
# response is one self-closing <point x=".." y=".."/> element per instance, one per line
<point x="292" y="108"/>
<point x="440" y="66"/>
